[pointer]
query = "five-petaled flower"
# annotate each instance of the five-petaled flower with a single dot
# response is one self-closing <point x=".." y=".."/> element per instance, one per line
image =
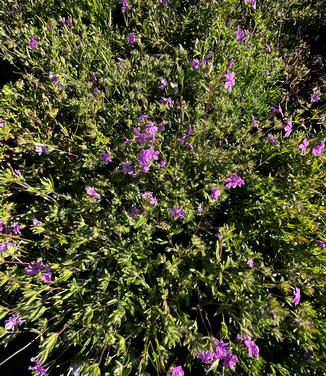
<point x="234" y="181"/>
<point x="92" y="192"/>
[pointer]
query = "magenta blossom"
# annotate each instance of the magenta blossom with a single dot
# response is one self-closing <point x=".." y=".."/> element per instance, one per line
<point x="146" y="157"/>
<point x="253" y="349"/>
<point x="143" y="118"/>
<point x="177" y="212"/>
<point x="125" y="6"/>
<point x="106" y="156"/>
<point x="318" y="149"/>
<point x="206" y="357"/>
<point x="162" y="163"/>
<point x="234" y="181"/>
<point x="241" y="34"/>
<point x="12" y="322"/>
<point x="177" y="371"/>
<point x="141" y="137"/>
<point x="92" y="192"/>
<point x="297" y="296"/>
<point x="221" y="349"/>
<point x="46" y="277"/>
<point x="230" y="361"/>
<point x="229" y="81"/>
<point x="132" y="38"/>
<point x="32" y="42"/>
<point x="37" y="368"/>
<point x="303" y="146"/>
<point x="151" y="128"/>
<point x="288" y="129"/>
<point x="215" y="194"/>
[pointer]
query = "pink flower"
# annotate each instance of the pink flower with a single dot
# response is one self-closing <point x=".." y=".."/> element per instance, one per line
<point x="229" y="81"/>
<point x="234" y="181"/>
<point x="250" y="264"/>
<point x="92" y="192"/>
<point x="288" y="129"/>
<point x="253" y="349"/>
<point x="303" y="146"/>
<point x="177" y="371"/>
<point x="32" y="42"/>
<point x="215" y="194"/>
<point x="318" y="149"/>
<point x="296" y="296"/>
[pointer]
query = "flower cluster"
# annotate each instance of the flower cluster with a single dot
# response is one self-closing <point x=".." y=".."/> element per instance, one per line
<point x="222" y="352"/>
<point x="36" y="267"/>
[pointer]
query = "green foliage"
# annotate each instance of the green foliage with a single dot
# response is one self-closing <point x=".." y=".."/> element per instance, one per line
<point x="135" y="296"/>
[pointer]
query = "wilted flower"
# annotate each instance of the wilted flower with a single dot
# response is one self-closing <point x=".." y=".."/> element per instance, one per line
<point x="106" y="156"/>
<point x="16" y="228"/>
<point x="133" y="213"/>
<point x="234" y="181"/>
<point x="120" y="62"/>
<point x="303" y="146"/>
<point x="163" y="84"/>
<point x="12" y="322"/>
<point x="278" y="110"/>
<point x="164" y="2"/>
<point x="128" y="169"/>
<point x="132" y="38"/>
<point x="288" y="129"/>
<point x="230" y="64"/>
<point x="54" y="79"/>
<point x="41" y="149"/>
<point x="268" y="48"/>
<point x="37" y="368"/>
<point x="177" y="371"/>
<point x="318" y="149"/>
<point x="32" y="42"/>
<point x="215" y="194"/>
<point x="297" y="296"/>
<point x="272" y="139"/>
<point x="229" y="81"/>
<point x="93" y="78"/>
<point x="177" y="212"/>
<point x="36" y="222"/>
<point x="150" y="198"/>
<point x="92" y="192"/>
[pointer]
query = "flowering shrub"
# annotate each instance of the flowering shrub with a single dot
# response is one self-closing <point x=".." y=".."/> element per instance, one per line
<point x="161" y="200"/>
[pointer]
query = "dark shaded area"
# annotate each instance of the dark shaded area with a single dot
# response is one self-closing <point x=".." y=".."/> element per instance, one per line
<point x="18" y="365"/>
<point x="8" y="73"/>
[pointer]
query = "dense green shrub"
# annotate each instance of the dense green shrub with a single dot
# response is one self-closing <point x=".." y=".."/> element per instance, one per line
<point x="134" y="249"/>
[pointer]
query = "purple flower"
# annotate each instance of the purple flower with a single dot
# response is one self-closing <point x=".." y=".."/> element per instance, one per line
<point x="164" y="2"/>
<point x="149" y="197"/>
<point x="128" y="169"/>
<point x="254" y="122"/>
<point x="34" y="268"/>
<point x="125" y="6"/>
<point x="288" y="129"/>
<point x="241" y="34"/>
<point x="206" y="357"/>
<point x="12" y="322"/>
<point x="167" y="101"/>
<point x="16" y="229"/>
<point x="177" y="212"/>
<point x="320" y="243"/>
<point x="177" y="371"/>
<point x="272" y="139"/>
<point x="278" y="110"/>
<point x="196" y="64"/>
<point x="303" y="146"/>
<point x="32" y="42"/>
<point x="67" y="21"/>
<point x="3" y="246"/>
<point x="93" y="78"/>
<point x="215" y="194"/>
<point x="36" y="222"/>
<point x="143" y="118"/>
<point x="163" y="84"/>
<point x="55" y="81"/>
<point x="253" y="349"/>
<point x="253" y="3"/>
<point x="222" y="349"/>
<point x="234" y="181"/>
<point x="106" y="156"/>
<point x="141" y="137"/>
<point x="296" y="296"/>
<point x="146" y="157"/>
<point x="318" y="149"/>
<point x="268" y="48"/>
<point x="250" y="264"/>
<point x="41" y="149"/>
<point x="2" y="124"/>
<point x="229" y="81"/>
<point x="37" y="368"/>
<point x="134" y="212"/>
<point x="230" y="64"/>
<point x="151" y="128"/>
<point x="92" y="192"/>
<point x="230" y="361"/>
<point x="190" y="131"/>
<point x="162" y="163"/>
<point x="132" y="38"/>
<point x="46" y="277"/>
